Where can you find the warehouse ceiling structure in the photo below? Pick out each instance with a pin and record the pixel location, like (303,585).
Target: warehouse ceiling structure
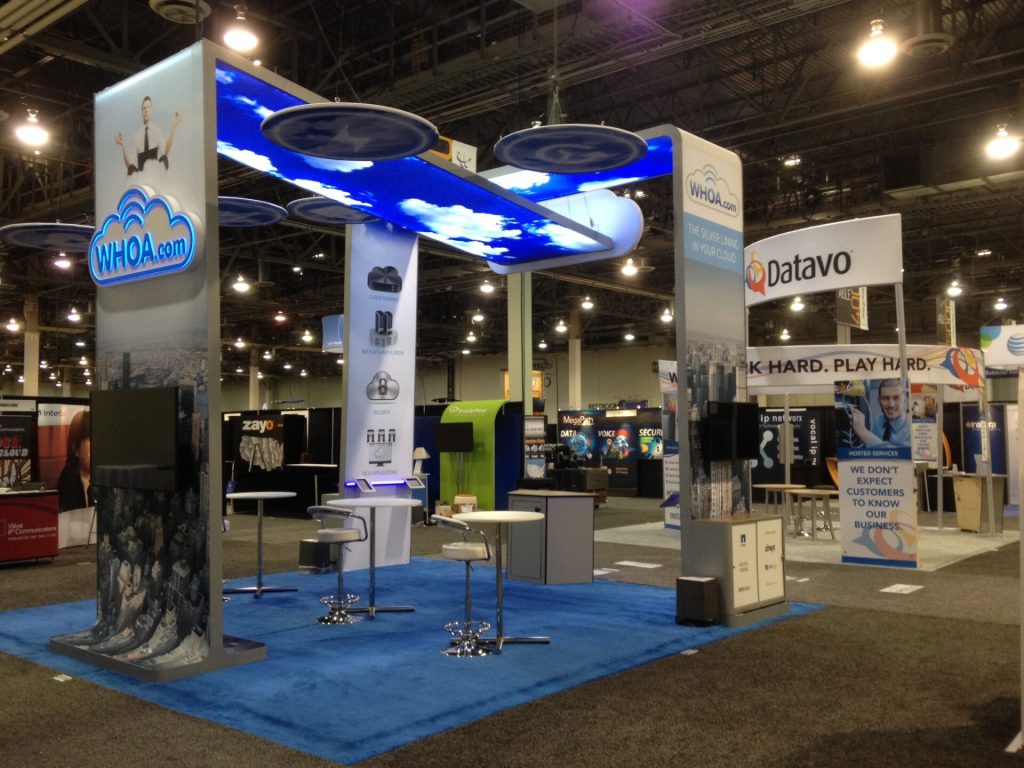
(821,139)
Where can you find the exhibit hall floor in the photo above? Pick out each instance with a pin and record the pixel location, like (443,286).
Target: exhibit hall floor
(923,675)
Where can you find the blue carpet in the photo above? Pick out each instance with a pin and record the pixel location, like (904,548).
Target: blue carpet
(349,693)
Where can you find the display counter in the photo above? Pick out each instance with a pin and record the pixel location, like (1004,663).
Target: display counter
(558,550)
(971,493)
(744,553)
(28,525)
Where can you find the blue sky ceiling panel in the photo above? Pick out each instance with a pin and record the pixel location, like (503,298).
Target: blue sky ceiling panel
(422,193)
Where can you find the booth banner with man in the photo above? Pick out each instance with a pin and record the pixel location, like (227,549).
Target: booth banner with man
(876,476)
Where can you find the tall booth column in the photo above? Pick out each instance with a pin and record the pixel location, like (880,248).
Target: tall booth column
(575,361)
(31,357)
(520,338)
(254,379)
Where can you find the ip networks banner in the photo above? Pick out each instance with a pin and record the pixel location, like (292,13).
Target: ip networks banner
(819,366)
(826,257)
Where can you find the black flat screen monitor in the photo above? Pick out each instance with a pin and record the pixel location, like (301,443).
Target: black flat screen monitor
(732,431)
(454,437)
(134,437)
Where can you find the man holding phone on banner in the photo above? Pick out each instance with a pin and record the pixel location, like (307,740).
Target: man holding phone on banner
(892,425)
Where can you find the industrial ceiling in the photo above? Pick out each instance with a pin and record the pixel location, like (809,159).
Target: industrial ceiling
(767,80)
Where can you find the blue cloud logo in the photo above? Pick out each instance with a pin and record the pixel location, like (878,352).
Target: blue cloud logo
(147,236)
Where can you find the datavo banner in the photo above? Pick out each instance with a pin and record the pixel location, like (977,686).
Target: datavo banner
(845,254)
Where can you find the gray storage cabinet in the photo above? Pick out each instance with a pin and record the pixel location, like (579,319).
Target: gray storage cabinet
(558,549)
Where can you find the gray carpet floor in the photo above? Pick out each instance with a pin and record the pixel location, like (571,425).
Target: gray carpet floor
(929,678)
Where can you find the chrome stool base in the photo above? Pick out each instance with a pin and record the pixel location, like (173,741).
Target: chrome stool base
(339,605)
(466,639)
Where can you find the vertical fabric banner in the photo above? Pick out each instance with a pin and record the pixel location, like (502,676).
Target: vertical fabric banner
(877,513)
(715,324)
(380,366)
(668,383)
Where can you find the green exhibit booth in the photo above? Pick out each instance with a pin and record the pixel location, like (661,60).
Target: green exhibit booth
(483,459)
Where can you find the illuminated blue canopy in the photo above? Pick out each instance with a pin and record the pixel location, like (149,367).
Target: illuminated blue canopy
(424,193)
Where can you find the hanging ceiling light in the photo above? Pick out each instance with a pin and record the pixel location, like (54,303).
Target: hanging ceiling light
(465,351)
(287,366)
(1001,304)
(241,285)
(982,253)
(561,327)
(62,261)
(797,305)
(80,343)
(955,289)
(785,334)
(879,49)
(587,303)
(471,337)
(13,325)
(239,344)
(31,132)
(340,361)
(478,317)
(280,317)
(259,374)
(629,268)
(666,316)
(1003,145)
(307,336)
(629,336)
(239,37)
(267,354)
(792,161)
(303,373)
(542,344)
(82,360)
(486,287)
(238,369)
(73,315)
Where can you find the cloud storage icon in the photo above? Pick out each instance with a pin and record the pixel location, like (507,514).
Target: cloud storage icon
(382,387)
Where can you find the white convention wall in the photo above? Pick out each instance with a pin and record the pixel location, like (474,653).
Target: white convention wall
(608,376)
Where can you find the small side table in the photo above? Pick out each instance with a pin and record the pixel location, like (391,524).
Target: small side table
(259,497)
(500,518)
(373,503)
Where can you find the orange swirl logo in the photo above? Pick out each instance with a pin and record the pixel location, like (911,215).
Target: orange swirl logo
(755,275)
(964,365)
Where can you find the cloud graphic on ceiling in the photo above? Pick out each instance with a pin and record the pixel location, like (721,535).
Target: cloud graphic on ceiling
(563,237)
(343,166)
(246,157)
(521,181)
(258,109)
(325,190)
(457,222)
(590,186)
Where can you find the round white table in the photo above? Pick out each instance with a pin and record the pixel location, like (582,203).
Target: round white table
(259,497)
(501,518)
(372,503)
